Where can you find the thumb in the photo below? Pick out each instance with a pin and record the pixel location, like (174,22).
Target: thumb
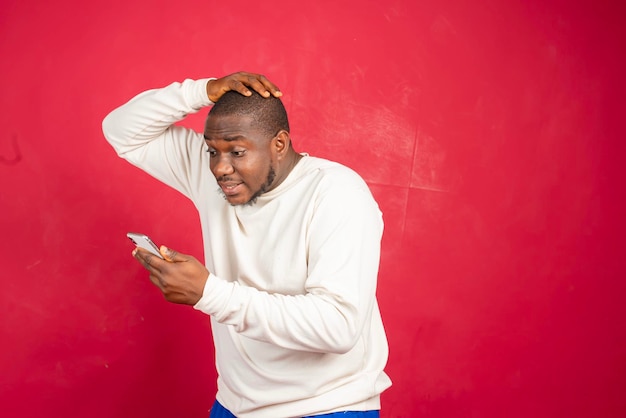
(171,255)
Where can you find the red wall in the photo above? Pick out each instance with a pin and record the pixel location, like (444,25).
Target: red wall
(488,132)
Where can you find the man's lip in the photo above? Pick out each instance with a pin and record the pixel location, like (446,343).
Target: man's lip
(230,188)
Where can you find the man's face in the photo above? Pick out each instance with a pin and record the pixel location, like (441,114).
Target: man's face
(241,158)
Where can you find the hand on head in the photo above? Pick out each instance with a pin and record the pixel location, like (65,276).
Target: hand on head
(241,82)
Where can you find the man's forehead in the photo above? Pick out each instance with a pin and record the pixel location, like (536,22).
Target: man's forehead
(227,137)
(220,122)
(229,119)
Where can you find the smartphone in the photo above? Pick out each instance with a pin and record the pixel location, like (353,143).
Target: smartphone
(144,241)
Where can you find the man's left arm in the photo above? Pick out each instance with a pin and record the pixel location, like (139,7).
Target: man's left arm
(344,254)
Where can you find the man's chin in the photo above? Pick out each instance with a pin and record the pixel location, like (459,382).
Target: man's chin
(238,200)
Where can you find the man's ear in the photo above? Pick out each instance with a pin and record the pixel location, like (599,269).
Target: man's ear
(282,141)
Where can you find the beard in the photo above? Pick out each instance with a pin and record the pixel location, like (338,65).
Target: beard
(271,175)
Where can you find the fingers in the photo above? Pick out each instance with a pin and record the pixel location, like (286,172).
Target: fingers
(242,82)
(172,256)
(151,261)
(153,264)
(261,85)
(147,259)
(180,277)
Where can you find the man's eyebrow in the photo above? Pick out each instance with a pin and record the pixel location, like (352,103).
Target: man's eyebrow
(226,138)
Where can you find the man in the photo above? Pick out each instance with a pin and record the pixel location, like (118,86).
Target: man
(291,242)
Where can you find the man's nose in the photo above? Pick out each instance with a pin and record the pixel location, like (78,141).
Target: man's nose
(221,166)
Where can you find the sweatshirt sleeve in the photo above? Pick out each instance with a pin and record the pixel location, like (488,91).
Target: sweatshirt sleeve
(144,132)
(343,259)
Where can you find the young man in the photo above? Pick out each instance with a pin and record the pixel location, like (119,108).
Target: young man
(291,243)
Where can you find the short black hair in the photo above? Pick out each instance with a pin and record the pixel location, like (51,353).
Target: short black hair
(269,114)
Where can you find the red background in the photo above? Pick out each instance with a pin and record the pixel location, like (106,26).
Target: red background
(488,131)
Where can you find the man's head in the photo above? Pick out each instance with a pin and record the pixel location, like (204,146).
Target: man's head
(269,114)
(249,145)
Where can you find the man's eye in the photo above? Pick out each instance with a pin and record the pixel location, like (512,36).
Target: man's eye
(238,153)
(211,152)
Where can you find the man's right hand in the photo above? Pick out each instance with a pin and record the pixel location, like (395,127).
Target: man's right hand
(240,82)
(180,277)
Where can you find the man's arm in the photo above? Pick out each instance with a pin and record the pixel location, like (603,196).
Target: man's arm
(343,256)
(340,290)
(143,130)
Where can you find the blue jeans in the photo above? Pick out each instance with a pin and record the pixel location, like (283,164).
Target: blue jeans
(218,411)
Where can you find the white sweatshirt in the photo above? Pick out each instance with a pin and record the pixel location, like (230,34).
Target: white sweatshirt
(292,283)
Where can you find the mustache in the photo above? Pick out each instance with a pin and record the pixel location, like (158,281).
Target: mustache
(222,179)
